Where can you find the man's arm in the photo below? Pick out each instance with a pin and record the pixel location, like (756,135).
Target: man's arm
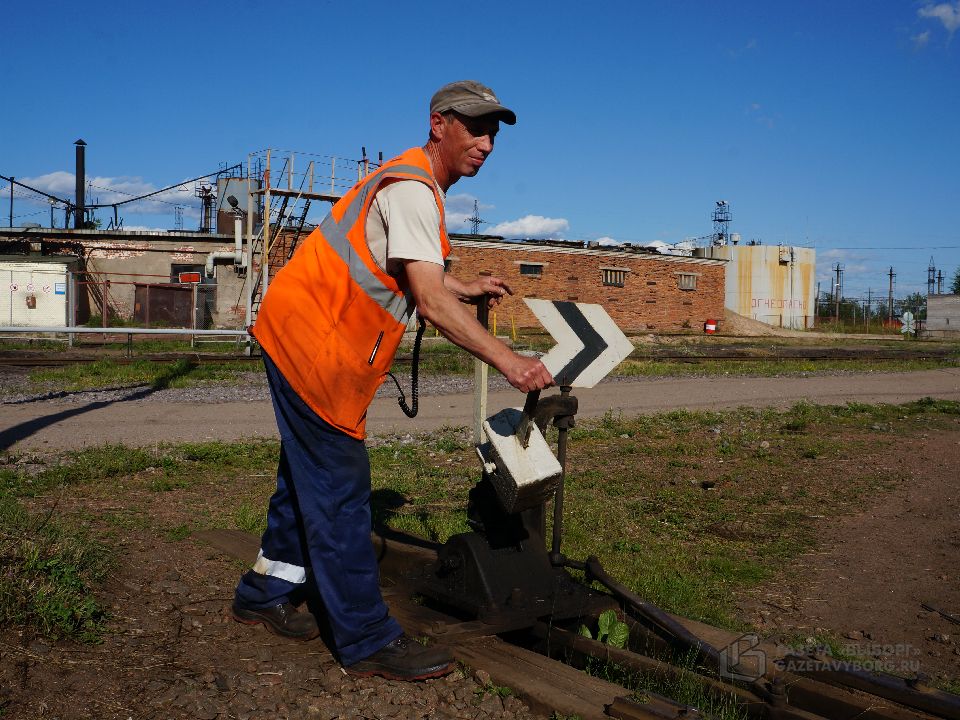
(440,304)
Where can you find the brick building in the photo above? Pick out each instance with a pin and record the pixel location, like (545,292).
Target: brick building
(136,274)
(642,291)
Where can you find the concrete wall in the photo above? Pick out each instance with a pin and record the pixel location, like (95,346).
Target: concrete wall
(33,294)
(126,264)
(943,316)
(651,298)
(120,260)
(770,283)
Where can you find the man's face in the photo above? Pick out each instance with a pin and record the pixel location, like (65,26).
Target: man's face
(466,143)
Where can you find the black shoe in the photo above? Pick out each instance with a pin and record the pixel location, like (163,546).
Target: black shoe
(284,620)
(405,659)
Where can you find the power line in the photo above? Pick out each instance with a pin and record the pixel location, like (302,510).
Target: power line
(170,187)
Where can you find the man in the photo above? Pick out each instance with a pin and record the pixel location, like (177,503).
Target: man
(329,328)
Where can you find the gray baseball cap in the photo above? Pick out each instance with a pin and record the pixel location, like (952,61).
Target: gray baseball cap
(470,98)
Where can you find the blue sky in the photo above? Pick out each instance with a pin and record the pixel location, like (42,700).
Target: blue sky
(833,123)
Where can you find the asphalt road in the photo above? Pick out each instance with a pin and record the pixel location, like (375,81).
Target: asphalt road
(50,425)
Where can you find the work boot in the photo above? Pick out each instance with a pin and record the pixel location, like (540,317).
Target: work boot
(405,659)
(284,620)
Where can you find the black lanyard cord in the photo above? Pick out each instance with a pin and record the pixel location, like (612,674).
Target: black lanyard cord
(411,412)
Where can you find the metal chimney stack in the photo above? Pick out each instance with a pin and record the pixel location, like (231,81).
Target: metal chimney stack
(79,211)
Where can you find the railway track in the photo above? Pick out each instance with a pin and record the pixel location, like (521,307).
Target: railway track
(542,662)
(13,359)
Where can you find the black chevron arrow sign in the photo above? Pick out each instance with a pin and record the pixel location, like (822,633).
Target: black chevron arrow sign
(589,344)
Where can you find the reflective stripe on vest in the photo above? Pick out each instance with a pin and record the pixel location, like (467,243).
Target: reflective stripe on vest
(335,233)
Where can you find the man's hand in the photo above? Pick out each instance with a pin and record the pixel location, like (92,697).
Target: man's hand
(527,374)
(491,288)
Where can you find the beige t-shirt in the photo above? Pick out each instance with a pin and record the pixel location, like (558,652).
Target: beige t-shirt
(404,224)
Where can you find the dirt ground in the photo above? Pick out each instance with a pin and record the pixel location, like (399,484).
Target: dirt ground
(174,653)
(864,589)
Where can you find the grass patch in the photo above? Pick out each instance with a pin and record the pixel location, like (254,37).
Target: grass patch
(686,508)
(154,374)
(685,688)
(47,573)
(773,368)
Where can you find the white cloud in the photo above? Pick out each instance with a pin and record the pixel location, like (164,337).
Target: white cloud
(606,240)
(531,226)
(142,228)
(920,41)
(948,14)
(107,190)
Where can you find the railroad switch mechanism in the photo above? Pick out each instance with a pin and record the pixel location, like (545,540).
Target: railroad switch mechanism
(501,573)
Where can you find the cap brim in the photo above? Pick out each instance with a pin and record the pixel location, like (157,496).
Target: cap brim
(485,108)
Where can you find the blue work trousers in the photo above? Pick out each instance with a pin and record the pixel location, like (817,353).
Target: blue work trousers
(319,520)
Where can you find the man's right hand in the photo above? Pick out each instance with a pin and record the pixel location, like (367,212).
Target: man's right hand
(527,374)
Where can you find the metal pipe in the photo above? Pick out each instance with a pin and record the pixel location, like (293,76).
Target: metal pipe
(583,647)
(913,694)
(653,614)
(81,180)
(113,331)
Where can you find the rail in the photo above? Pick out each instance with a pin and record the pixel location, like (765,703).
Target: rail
(241,335)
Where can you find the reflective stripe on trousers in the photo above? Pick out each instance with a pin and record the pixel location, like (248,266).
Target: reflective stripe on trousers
(319,519)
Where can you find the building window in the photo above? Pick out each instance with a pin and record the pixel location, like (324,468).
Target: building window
(531,269)
(614,277)
(687,281)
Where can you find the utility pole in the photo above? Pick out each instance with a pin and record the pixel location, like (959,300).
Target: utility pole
(12,178)
(869,305)
(939,282)
(838,292)
(931,276)
(475,220)
(890,296)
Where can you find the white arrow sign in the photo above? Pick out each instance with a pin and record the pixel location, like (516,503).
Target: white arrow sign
(589,344)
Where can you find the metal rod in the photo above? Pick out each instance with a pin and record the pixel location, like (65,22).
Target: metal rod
(526,417)
(11,202)
(653,614)
(480,375)
(265,253)
(556,557)
(71,303)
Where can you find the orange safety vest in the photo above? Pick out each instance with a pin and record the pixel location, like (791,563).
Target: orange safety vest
(332,318)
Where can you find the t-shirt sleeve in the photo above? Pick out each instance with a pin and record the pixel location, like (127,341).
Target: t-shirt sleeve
(412,222)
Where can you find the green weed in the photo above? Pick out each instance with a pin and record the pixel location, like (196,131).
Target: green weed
(47,575)
(251,518)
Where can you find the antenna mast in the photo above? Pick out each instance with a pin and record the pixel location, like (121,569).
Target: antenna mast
(475,221)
